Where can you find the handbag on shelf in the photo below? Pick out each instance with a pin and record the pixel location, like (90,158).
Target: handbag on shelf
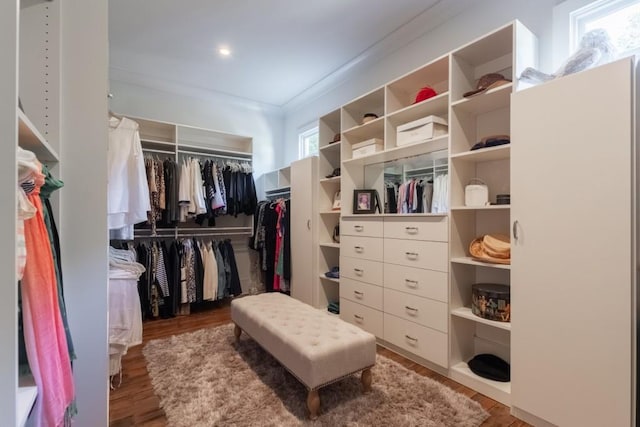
(336,233)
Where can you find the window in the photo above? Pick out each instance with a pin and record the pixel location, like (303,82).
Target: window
(572,18)
(308,142)
(620,18)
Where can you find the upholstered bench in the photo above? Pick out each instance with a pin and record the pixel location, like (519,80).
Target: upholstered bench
(317,348)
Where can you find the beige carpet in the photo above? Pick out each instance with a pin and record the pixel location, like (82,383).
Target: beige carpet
(204,378)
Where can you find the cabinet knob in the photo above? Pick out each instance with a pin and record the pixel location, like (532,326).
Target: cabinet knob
(358,249)
(359,319)
(358,294)
(358,271)
(358,227)
(516,224)
(308,224)
(411,230)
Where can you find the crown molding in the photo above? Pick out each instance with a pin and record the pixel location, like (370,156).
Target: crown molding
(434,16)
(126,76)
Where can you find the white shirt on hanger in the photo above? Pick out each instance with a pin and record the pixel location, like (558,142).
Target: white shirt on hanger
(128,192)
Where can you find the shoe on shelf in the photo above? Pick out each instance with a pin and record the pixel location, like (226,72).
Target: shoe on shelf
(334,273)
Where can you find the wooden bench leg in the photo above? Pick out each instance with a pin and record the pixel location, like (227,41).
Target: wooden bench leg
(366,380)
(313,403)
(237,331)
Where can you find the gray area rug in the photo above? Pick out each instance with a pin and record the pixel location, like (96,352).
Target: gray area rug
(205,378)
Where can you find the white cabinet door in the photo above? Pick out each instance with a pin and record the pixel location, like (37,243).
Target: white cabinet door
(573,252)
(304,176)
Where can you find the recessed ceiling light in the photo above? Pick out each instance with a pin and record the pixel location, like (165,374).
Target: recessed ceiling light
(224,51)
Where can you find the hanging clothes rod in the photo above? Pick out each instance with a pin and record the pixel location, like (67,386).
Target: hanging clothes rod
(217,156)
(153,150)
(233,233)
(220,229)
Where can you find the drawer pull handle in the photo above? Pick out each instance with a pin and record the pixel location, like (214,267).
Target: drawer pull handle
(411,230)
(358,249)
(358,318)
(413,311)
(412,339)
(358,271)
(411,283)
(358,294)
(358,227)
(412,255)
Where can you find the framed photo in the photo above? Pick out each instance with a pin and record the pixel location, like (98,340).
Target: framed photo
(336,201)
(364,201)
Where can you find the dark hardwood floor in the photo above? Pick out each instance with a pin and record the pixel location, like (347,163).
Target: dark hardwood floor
(133,403)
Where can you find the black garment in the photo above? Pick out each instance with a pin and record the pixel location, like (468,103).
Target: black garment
(167,307)
(392,206)
(233,283)
(199,269)
(144,281)
(250,197)
(229,184)
(270,222)
(173,275)
(419,193)
(171,214)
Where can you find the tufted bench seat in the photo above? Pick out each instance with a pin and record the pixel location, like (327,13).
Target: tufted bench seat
(315,347)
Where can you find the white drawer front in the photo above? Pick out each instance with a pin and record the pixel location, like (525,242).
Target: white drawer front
(431,228)
(362,293)
(417,281)
(368,227)
(361,247)
(424,311)
(365,317)
(361,269)
(420,340)
(415,253)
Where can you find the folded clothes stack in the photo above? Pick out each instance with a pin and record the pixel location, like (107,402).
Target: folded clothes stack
(334,307)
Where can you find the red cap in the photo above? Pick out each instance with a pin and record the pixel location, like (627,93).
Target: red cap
(425,93)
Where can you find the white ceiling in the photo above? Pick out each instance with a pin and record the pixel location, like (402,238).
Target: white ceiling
(280,47)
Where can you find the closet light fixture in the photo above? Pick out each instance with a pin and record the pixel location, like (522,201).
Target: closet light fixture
(224,51)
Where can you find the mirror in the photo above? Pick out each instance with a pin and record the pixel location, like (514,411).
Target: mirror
(417,184)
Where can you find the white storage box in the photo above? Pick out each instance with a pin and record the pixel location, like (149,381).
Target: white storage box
(367,147)
(421,130)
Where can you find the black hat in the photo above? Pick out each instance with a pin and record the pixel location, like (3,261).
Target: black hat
(336,172)
(491,367)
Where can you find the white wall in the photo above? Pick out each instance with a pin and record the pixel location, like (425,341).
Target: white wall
(478,18)
(206,109)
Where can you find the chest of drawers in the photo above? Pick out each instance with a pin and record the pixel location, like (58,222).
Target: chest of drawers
(394,281)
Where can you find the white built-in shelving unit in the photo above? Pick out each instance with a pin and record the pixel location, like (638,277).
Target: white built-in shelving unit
(326,289)
(506,51)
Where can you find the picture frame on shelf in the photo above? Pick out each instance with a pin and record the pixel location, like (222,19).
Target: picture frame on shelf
(364,201)
(336,201)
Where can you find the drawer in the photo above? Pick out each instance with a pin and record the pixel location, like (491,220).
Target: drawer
(416,253)
(363,270)
(368,227)
(365,317)
(424,311)
(361,293)
(416,281)
(431,228)
(361,247)
(419,340)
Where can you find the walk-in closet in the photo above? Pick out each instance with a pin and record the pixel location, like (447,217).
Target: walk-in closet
(332,213)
